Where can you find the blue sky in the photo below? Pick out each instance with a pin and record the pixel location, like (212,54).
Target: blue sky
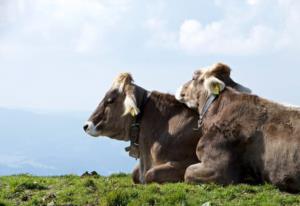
(60,56)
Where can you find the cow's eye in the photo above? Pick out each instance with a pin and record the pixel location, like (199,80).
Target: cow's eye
(109,101)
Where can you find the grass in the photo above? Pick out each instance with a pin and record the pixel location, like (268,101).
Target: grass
(118,190)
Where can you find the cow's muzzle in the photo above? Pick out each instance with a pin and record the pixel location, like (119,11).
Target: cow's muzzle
(90,129)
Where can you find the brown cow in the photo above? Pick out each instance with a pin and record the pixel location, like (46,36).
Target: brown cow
(242,132)
(159,127)
(166,142)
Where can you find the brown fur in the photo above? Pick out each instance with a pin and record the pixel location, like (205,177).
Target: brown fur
(194,97)
(168,138)
(247,135)
(167,142)
(219,70)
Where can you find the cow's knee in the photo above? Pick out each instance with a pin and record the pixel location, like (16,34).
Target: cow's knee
(198,173)
(151,176)
(190,176)
(136,175)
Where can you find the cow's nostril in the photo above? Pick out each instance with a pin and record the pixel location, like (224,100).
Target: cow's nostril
(182,95)
(85,127)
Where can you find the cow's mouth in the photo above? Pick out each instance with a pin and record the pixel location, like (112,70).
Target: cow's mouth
(91,129)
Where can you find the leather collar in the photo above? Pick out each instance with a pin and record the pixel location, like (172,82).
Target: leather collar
(205,108)
(133,149)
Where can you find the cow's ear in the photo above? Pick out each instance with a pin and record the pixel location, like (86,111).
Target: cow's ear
(219,70)
(222,72)
(213,85)
(122,81)
(130,103)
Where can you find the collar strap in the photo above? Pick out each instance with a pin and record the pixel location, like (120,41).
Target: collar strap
(205,108)
(133,149)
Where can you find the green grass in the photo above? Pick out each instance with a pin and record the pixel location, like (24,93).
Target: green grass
(118,190)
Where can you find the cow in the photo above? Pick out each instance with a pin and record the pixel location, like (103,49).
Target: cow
(164,141)
(163,132)
(241,132)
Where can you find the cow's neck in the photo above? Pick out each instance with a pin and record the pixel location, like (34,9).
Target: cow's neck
(141,96)
(213,105)
(136,149)
(219,104)
(205,102)
(202,101)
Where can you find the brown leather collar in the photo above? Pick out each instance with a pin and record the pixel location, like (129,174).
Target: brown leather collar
(133,149)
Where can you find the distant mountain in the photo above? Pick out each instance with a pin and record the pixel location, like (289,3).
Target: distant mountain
(55,144)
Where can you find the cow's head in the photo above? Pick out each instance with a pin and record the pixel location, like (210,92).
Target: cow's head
(113,116)
(207,81)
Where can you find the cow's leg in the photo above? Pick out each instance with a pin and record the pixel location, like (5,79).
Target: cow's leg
(219,160)
(199,173)
(136,175)
(168,172)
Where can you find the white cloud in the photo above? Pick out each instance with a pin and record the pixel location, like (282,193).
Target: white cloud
(86,42)
(246,27)
(253,2)
(160,34)
(158,27)
(219,37)
(87,38)
(67,25)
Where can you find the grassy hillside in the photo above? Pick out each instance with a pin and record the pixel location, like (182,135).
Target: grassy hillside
(119,190)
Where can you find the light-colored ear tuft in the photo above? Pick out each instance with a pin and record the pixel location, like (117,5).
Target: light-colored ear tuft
(131,106)
(122,80)
(214,85)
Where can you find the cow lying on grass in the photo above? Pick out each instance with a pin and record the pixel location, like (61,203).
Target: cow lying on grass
(241,132)
(159,128)
(165,138)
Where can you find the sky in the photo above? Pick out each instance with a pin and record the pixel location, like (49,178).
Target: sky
(63,54)
(60,56)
